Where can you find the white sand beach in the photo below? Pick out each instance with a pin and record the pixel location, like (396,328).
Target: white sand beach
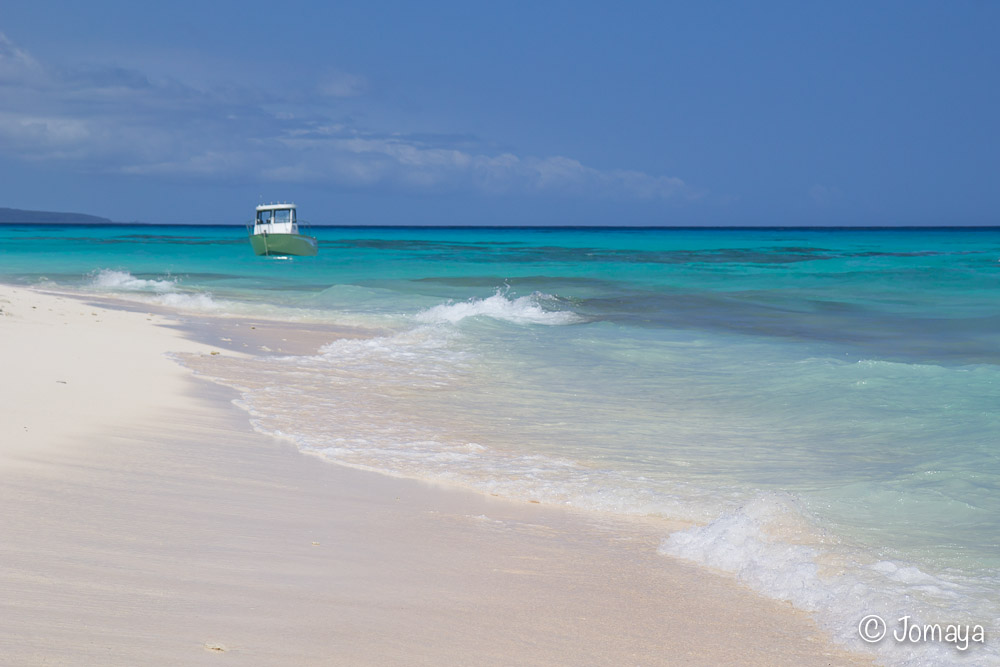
(145,523)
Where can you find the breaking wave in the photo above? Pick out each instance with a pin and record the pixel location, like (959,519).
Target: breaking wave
(520,310)
(164,292)
(110,279)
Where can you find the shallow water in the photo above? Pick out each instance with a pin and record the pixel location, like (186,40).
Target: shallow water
(823,403)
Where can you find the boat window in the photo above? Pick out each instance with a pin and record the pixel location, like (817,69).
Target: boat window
(283,215)
(263,217)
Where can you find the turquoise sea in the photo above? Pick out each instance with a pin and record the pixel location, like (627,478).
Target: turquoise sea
(822,404)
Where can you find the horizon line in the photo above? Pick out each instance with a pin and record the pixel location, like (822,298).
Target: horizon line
(542,226)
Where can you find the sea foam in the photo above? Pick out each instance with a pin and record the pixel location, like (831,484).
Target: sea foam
(163,291)
(520,310)
(111,279)
(770,545)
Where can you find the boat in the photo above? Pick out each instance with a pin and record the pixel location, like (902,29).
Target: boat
(276,232)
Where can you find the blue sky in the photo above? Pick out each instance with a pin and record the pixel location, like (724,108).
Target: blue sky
(641,113)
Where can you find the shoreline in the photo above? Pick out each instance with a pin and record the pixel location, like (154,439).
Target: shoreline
(153,526)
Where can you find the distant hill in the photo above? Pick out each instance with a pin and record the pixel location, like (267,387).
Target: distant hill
(49,217)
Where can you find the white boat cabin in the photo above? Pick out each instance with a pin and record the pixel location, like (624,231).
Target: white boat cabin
(276,219)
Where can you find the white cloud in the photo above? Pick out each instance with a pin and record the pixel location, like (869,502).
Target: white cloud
(43,131)
(208,163)
(17,65)
(120,120)
(415,164)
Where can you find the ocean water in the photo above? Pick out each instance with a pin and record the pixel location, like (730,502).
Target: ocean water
(823,406)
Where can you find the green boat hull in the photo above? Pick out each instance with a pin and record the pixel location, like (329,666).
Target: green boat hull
(283,244)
